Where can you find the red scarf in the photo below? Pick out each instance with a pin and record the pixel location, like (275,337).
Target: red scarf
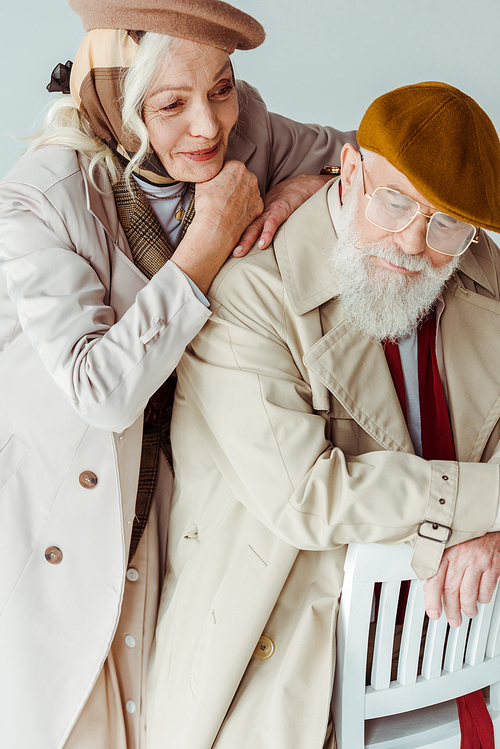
(437,444)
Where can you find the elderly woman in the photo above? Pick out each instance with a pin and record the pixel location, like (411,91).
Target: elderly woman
(104,264)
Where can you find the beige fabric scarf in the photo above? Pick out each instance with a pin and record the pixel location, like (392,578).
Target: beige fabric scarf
(96,82)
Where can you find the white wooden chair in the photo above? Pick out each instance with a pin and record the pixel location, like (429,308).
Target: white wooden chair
(418,708)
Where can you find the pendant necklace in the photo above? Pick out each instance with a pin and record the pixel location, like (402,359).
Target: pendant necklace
(180,212)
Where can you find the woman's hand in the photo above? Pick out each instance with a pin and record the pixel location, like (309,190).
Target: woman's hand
(225,205)
(279,204)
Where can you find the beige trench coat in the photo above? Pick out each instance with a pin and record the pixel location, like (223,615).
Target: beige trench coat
(84,342)
(290,443)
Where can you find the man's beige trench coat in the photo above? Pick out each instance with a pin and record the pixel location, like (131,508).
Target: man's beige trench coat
(290,442)
(84,342)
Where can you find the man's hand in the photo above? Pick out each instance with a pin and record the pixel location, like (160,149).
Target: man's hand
(467,574)
(279,204)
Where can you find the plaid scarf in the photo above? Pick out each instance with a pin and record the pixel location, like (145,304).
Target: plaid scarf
(150,250)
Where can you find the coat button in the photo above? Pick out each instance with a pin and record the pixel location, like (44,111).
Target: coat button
(264,649)
(53,555)
(130,641)
(132,574)
(88,479)
(130,706)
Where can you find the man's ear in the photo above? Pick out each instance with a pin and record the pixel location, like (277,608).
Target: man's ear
(349,162)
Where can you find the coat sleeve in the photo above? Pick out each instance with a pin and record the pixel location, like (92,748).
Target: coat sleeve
(254,404)
(280,147)
(106,367)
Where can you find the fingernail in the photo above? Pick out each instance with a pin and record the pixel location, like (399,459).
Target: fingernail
(453,623)
(433,614)
(261,244)
(238,250)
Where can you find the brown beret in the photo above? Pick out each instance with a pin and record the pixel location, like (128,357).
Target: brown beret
(444,143)
(208,21)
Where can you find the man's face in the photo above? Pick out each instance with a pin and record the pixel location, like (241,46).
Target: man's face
(388,281)
(378,172)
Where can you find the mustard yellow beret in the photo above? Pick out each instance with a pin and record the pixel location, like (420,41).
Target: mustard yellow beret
(444,143)
(208,21)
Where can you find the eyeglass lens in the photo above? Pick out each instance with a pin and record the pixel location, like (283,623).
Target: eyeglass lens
(393,211)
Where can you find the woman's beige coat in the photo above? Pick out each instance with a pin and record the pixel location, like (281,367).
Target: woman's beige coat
(84,342)
(289,443)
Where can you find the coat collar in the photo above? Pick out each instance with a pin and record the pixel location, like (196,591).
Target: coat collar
(472,266)
(302,249)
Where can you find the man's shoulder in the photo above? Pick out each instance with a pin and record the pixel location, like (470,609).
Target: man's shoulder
(295,269)
(240,280)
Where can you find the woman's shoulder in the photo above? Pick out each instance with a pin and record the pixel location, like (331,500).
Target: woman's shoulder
(43,168)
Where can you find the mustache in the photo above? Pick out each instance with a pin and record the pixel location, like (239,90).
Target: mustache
(393,255)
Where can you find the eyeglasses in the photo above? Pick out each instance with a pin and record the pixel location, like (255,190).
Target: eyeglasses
(391,210)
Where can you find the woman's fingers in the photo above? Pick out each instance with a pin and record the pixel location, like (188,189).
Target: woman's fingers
(225,206)
(279,204)
(249,237)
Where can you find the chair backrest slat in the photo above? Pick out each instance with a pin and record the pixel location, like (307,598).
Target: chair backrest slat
(384,640)
(493,644)
(434,647)
(455,647)
(412,635)
(478,634)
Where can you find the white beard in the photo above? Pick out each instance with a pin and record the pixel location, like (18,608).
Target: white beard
(380,303)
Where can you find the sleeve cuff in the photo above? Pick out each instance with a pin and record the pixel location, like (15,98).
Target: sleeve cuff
(201,297)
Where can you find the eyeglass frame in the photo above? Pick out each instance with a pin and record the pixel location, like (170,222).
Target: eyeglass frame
(474,240)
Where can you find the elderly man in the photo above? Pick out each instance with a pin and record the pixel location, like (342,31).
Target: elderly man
(346,388)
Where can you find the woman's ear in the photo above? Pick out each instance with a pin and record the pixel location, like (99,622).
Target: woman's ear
(349,161)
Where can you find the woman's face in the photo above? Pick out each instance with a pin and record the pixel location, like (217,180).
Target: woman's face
(190,110)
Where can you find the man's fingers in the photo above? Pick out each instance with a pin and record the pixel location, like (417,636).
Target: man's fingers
(487,586)
(452,605)
(433,589)
(469,592)
(467,575)
(439,593)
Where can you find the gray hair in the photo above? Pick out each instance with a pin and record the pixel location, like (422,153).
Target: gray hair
(65,126)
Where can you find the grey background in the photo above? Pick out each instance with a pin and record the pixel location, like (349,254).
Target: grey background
(323,60)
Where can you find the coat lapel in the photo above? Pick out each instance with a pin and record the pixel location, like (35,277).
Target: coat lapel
(355,371)
(126,278)
(470,325)
(101,204)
